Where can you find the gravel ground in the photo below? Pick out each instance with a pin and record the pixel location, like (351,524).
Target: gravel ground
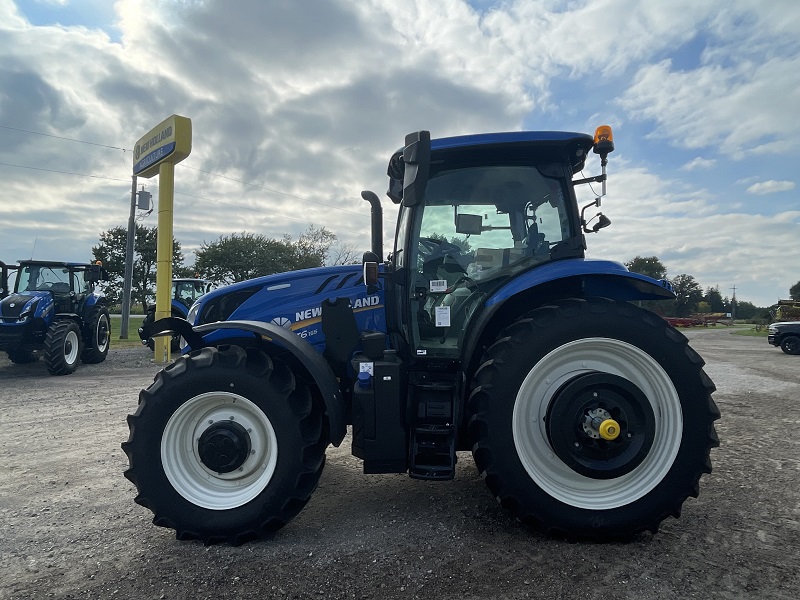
(71,529)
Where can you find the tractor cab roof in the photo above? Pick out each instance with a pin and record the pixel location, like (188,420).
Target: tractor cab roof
(54,263)
(489,149)
(553,146)
(559,144)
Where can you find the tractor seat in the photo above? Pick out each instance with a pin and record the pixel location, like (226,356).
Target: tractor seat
(60,288)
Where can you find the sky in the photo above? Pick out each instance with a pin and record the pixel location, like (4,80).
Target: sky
(296,107)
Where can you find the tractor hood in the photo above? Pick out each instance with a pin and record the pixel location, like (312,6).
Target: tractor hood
(293,300)
(16,306)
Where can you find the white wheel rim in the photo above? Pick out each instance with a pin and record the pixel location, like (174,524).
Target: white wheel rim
(530,433)
(100,337)
(181,460)
(70,347)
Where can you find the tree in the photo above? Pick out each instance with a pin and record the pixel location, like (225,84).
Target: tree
(794,292)
(345,253)
(688,294)
(111,252)
(747,310)
(714,300)
(312,247)
(242,256)
(647,265)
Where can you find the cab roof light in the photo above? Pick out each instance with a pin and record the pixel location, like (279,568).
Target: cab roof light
(603,141)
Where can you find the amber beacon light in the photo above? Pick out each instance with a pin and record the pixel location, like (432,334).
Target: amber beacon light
(603,141)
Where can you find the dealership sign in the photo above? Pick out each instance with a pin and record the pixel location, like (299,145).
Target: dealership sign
(169,141)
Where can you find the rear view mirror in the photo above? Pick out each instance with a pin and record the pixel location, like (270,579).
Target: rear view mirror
(469,224)
(92,274)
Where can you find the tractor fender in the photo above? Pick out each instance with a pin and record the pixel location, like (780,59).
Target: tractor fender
(561,279)
(318,369)
(597,277)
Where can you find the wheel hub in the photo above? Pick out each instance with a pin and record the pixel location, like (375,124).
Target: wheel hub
(224,446)
(600,425)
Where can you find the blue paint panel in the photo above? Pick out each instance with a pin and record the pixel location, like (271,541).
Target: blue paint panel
(294,300)
(602,278)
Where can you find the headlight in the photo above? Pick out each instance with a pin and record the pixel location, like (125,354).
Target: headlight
(28,312)
(221,307)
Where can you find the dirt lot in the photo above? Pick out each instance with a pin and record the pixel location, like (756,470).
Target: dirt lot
(71,530)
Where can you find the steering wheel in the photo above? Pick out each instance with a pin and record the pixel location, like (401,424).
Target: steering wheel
(431,248)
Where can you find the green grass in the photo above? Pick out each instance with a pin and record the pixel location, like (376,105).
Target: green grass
(133,341)
(751,331)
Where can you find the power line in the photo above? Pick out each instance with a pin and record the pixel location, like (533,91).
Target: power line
(62,172)
(252,185)
(59,137)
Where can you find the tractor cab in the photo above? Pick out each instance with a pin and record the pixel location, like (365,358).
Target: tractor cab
(5,271)
(187,290)
(67,283)
(467,226)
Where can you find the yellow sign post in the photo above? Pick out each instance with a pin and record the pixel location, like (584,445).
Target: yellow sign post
(157,152)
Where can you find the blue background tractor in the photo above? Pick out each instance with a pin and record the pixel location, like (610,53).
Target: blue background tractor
(185,291)
(55,310)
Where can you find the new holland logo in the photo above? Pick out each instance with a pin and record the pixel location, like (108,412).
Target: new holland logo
(282,322)
(312,313)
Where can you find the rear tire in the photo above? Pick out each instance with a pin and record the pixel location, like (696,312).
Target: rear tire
(226,445)
(62,347)
(543,382)
(96,336)
(791,345)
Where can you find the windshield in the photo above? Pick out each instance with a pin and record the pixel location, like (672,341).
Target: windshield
(478,226)
(43,278)
(188,291)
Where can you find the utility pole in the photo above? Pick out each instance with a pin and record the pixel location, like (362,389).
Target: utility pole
(127,284)
(733,304)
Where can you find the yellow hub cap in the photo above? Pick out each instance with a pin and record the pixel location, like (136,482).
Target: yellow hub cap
(609,429)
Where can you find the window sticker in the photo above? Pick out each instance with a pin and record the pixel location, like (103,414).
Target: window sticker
(442,316)
(438,285)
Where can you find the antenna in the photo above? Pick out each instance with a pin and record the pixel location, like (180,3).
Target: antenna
(33,251)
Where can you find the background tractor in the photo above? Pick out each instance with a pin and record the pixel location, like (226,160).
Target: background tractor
(56,310)
(185,291)
(486,330)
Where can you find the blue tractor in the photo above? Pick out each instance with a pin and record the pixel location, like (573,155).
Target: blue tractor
(485,330)
(185,291)
(54,310)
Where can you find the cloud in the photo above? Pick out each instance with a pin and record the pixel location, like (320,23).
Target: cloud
(770,187)
(698,163)
(296,107)
(736,110)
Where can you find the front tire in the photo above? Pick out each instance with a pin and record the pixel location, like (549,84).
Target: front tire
(62,347)
(22,357)
(225,446)
(592,419)
(791,345)
(96,336)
